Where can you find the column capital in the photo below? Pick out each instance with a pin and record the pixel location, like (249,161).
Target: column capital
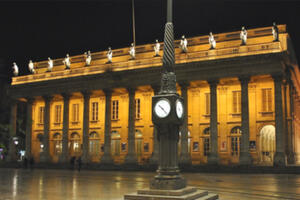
(213,82)
(184,84)
(107,91)
(277,77)
(131,90)
(86,93)
(66,96)
(30,100)
(47,98)
(244,79)
(155,88)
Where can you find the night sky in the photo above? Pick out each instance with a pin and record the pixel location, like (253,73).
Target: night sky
(37,30)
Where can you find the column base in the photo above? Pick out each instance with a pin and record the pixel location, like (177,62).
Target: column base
(212,159)
(131,159)
(63,158)
(153,159)
(291,158)
(107,159)
(245,158)
(280,159)
(44,158)
(185,159)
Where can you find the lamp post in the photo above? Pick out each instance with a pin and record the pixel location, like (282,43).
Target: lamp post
(167,116)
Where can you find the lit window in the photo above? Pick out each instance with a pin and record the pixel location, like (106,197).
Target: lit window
(41,114)
(95,111)
(206,141)
(115,110)
(235,140)
(137,109)
(57,114)
(236,101)
(267,100)
(207,103)
(57,140)
(94,146)
(75,113)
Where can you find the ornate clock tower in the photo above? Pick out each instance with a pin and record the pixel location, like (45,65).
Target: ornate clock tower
(167,116)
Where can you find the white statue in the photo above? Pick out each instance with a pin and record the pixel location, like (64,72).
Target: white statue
(15,69)
(132,51)
(212,41)
(275,31)
(183,44)
(156,48)
(31,67)
(243,36)
(50,64)
(109,55)
(88,58)
(67,61)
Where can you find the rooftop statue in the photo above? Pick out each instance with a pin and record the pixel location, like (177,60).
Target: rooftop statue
(67,61)
(212,41)
(275,32)
(88,58)
(50,64)
(15,69)
(243,36)
(109,55)
(156,48)
(132,51)
(31,67)
(183,44)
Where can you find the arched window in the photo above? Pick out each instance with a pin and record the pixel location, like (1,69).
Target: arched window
(189,142)
(235,135)
(115,143)
(75,143)
(94,143)
(57,142)
(267,144)
(206,141)
(138,142)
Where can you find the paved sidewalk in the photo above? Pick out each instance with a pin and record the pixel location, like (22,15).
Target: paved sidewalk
(38,184)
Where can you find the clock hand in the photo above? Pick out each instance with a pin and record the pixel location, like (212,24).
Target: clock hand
(162,108)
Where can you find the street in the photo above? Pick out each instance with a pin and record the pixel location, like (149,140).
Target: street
(37,184)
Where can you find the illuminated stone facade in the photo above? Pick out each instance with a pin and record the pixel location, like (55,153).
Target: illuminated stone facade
(236,97)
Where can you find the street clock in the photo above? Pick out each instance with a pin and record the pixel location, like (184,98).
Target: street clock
(167,109)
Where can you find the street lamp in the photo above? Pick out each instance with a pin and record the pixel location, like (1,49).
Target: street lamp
(16,141)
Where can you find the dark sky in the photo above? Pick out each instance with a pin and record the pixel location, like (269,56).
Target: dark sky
(37,30)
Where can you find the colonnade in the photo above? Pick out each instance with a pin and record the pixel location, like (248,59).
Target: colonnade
(185,157)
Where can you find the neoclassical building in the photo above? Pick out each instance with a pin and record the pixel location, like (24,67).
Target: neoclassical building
(242,102)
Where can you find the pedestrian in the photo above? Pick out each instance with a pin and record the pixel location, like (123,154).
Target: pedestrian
(79,163)
(72,161)
(31,162)
(25,162)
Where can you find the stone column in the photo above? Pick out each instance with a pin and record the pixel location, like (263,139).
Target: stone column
(245,157)
(291,156)
(213,157)
(280,157)
(28,128)
(64,157)
(131,156)
(185,157)
(86,121)
(45,155)
(155,156)
(106,158)
(12,154)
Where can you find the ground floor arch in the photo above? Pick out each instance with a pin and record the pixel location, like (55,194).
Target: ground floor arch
(267,145)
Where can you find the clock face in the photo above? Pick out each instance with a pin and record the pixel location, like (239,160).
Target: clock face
(179,109)
(162,108)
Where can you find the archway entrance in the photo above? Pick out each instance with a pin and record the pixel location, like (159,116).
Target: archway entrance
(267,144)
